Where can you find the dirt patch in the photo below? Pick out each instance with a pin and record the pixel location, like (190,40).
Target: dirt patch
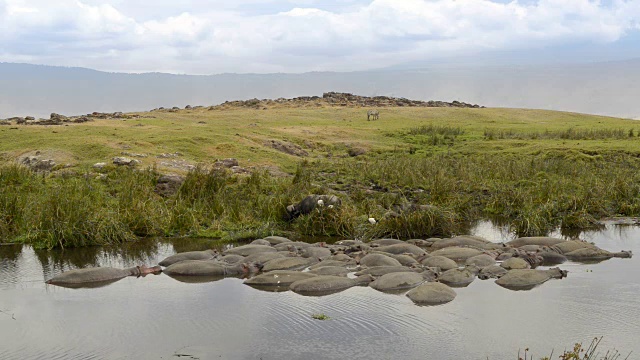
(287,148)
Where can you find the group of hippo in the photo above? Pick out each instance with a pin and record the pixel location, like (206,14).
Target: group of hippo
(427,270)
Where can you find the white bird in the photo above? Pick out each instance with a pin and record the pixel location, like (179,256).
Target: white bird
(320,202)
(372,221)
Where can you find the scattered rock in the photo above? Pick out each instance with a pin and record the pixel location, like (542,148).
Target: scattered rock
(37,164)
(123,161)
(226,163)
(168,185)
(99,166)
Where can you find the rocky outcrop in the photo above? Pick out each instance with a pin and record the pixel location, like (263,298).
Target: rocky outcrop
(339,99)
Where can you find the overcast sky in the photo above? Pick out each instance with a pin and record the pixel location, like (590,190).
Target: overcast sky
(263,36)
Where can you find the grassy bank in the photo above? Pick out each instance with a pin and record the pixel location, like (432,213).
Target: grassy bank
(534,170)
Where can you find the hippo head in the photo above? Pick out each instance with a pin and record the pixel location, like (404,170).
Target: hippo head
(625,254)
(291,213)
(144,271)
(557,273)
(250,268)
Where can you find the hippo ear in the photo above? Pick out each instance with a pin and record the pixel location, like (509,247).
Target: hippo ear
(244,266)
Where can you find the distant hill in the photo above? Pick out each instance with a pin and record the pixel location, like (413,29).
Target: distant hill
(607,88)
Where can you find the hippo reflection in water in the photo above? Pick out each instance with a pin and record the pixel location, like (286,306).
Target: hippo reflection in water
(99,276)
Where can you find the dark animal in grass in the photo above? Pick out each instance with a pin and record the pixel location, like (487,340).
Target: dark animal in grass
(99,276)
(211,268)
(432,293)
(309,203)
(189,255)
(526,279)
(327,284)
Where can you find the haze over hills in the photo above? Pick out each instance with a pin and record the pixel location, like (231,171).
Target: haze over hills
(605,88)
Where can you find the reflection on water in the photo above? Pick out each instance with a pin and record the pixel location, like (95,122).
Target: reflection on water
(158,317)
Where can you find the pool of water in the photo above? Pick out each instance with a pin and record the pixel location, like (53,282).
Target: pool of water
(158,317)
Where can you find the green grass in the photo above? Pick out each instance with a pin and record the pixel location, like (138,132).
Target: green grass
(532,170)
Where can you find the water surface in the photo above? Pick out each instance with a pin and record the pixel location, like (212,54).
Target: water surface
(157,317)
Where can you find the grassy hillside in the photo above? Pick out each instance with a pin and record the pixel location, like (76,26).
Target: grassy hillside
(203,135)
(533,170)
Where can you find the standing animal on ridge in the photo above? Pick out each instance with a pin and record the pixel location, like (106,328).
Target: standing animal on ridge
(373,115)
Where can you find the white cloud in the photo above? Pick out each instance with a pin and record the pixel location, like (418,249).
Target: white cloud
(291,36)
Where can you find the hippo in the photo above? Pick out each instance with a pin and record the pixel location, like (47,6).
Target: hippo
(211,268)
(571,245)
(263,258)
(481,261)
(189,255)
(232,259)
(99,276)
(278,279)
(371,260)
(294,246)
(469,241)
(275,240)
(432,293)
(459,277)
(405,260)
(525,279)
(535,240)
(456,253)
(246,250)
(327,284)
(404,248)
(289,263)
(532,258)
(341,257)
(349,242)
(316,252)
(385,242)
(382,270)
(590,254)
(550,258)
(515,263)
(492,272)
(332,263)
(444,263)
(420,242)
(309,203)
(331,270)
(261,242)
(397,281)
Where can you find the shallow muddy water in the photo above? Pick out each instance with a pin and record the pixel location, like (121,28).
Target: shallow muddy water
(157,317)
